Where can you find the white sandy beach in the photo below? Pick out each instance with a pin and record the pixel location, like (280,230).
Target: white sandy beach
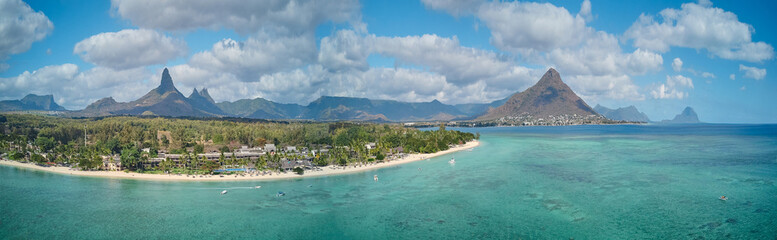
(324,171)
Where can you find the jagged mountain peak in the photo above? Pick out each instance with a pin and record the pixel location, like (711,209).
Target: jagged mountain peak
(204,93)
(166,85)
(194,93)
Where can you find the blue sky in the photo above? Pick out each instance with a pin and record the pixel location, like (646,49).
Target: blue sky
(614,53)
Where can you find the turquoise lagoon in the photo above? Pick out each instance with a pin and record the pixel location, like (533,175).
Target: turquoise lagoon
(582,182)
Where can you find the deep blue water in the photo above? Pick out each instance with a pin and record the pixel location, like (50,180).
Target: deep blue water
(582,182)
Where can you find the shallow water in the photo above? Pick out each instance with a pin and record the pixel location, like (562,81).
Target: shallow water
(582,182)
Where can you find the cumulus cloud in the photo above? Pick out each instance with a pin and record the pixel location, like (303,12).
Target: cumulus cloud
(529,26)
(707,75)
(673,88)
(460,65)
(20,26)
(454,7)
(585,11)
(753,72)
(74,88)
(699,26)
(677,64)
(285,17)
(732,77)
(347,50)
(601,55)
(594,88)
(129,48)
(256,56)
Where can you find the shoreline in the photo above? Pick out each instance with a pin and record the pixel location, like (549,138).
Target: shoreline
(324,171)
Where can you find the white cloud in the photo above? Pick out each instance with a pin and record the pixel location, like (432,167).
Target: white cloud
(601,55)
(707,75)
(753,72)
(699,26)
(742,88)
(285,17)
(256,56)
(20,26)
(673,87)
(460,65)
(529,26)
(585,11)
(347,50)
(595,87)
(130,48)
(677,64)
(454,7)
(732,77)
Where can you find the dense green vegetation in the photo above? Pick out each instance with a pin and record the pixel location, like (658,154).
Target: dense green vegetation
(53,140)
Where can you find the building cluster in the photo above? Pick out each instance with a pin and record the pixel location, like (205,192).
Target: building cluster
(552,120)
(240,159)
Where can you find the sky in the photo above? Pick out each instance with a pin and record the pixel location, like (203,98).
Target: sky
(660,56)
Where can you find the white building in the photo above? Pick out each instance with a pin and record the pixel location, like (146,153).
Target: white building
(269,148)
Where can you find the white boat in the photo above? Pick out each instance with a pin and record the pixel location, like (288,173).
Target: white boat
(223,192)
(452,161)
(258,187)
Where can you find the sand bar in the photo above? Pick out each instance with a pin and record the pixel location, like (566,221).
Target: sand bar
(324,171)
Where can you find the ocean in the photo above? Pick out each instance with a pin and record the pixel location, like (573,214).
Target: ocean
(581,182)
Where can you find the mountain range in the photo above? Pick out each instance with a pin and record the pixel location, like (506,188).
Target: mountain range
(550,96)
(629,113)
(31,102)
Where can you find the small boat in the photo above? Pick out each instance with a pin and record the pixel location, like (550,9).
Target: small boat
(281,194)
(452,161)
(258,187)
(223,192)
(724,198)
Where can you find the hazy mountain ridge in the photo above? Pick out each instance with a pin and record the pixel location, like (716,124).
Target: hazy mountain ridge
(629,113)
(32,102)
(687,116)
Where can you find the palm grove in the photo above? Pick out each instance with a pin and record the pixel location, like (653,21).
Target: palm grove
(86,143)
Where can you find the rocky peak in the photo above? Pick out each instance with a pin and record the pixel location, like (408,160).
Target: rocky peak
(551,78)
(167,83)
(194,93)
(204,93)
